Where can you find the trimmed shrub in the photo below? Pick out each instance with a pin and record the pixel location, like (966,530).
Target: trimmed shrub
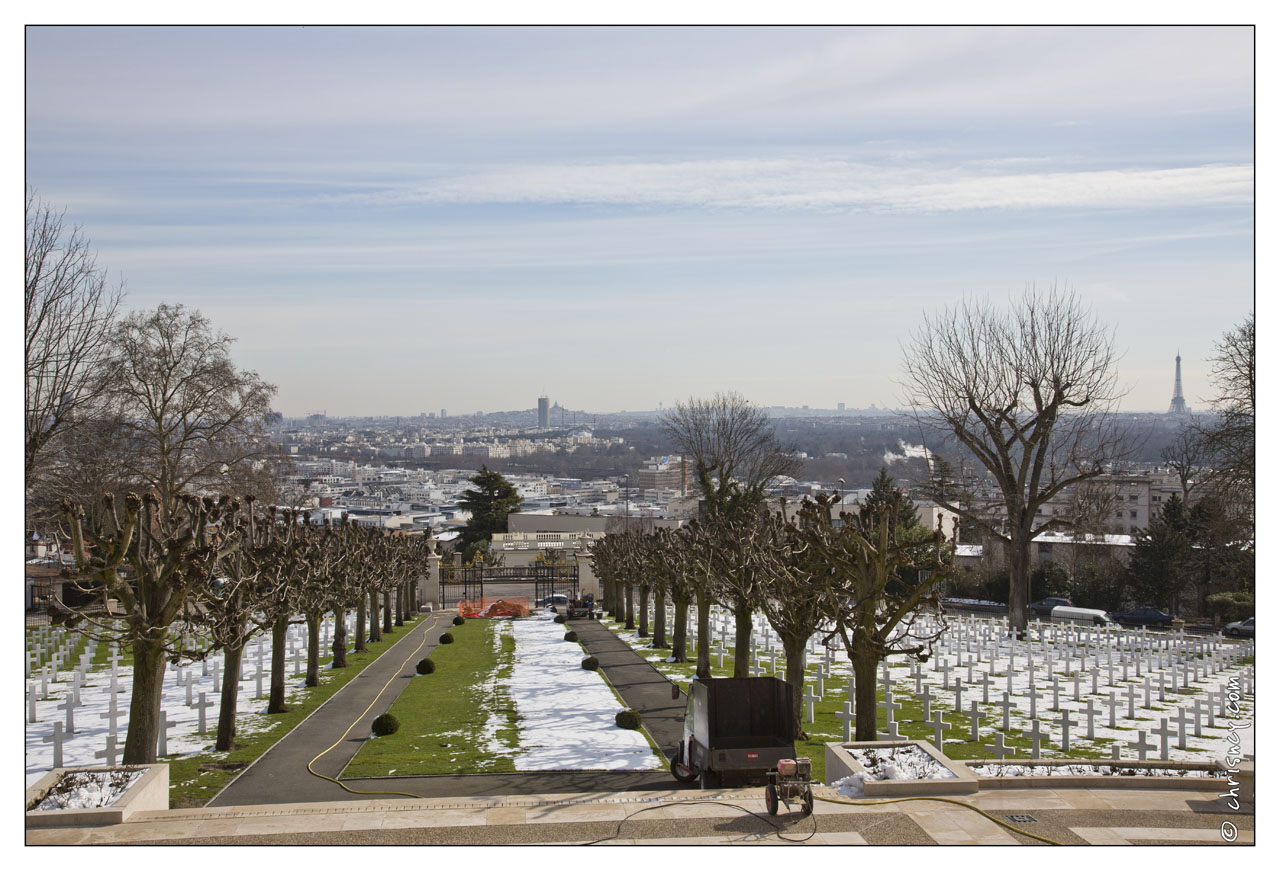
(387,724)
(426,666)
(459,620)
(446,638)
(627,719)
(591,664)
(560,618)
(571,636)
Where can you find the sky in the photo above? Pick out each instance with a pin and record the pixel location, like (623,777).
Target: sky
(396,220)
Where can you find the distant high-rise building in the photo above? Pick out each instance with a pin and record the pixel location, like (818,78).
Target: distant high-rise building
(444,413)
(1178,405)
(544,412)
(839,406)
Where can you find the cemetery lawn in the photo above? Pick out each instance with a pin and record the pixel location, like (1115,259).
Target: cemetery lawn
(459,719)
(195,779)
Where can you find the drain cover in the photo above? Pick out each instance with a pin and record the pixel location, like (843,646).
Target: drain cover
(1021,818)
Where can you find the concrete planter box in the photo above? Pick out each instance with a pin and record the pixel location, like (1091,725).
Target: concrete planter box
(149,793)
(1100,781)
(840,764)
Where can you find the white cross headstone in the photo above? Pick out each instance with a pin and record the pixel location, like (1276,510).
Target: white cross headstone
(998,750)
(939,726)
(1165,732)
(189,683)
(1131,695)
(1090,712)
(958,688)
(1065,723)
(1182,718)
(847,716)
(975,719)
(200,707)
(1036,737)
(1055,693)
(109,753)
(258,677)
(162,742)
(891,732)
(1007,706)
(986,683)
(1141,745)
(31,703)
(925,698)
(890,706)
(56,740)
(69,705)
(1033,694)
(809,698)
(1208,711)
(112,715)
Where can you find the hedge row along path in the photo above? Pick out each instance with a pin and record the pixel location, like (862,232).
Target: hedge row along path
(280,775)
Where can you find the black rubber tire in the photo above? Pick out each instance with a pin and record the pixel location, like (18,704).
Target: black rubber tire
(688,775)
(806,802)
(771,800)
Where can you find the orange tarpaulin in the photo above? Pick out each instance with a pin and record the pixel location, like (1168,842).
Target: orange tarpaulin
(518,607)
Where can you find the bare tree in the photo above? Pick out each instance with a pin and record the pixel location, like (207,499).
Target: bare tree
(735,455)
(191,415)
(1229,441)
(879,589)
(70,311)
(155,560)
(1030,392)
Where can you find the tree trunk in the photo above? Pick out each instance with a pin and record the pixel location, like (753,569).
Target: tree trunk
(232,656)
(794,648)
(279,633)
(644,611)
(375,628)
(631,605)
(679,642)
(313,648)
(339,638)
(1019,586)
(741,638)
(864,694)
(704,637)
(144,706)
(659,619)
(360,618)
(401,592)
(386,613)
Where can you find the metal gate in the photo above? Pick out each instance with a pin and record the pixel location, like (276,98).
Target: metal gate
(538,582)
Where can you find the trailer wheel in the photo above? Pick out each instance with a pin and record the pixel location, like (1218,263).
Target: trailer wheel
(682,772)
(771,800)
(806,802)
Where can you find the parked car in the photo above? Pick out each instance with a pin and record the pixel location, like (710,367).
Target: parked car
(554,601)
(1081,616)
(1241,628)
(1146,616)
(1045,607)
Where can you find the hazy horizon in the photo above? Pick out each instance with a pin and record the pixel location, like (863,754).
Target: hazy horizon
(395,220)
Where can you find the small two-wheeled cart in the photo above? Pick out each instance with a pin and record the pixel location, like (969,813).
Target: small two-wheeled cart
(788,782)
(736,730)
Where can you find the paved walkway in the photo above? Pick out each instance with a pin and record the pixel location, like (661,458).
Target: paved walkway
(280,776)
(725,817)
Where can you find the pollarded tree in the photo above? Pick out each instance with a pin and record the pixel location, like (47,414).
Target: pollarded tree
(880,591)
(1229,440)
(1030,392)
(155,560)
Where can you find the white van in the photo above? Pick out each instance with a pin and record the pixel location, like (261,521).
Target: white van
(1083,616)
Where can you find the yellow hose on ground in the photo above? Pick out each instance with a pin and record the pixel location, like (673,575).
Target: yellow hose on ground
(819,798)
(359,718)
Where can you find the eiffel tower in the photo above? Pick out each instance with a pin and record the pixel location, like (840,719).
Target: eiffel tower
(1178,405)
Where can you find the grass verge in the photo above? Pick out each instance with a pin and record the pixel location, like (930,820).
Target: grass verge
(195,779)
(459,719)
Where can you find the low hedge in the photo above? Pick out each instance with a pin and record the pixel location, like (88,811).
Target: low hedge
(591,664)
(571,636)
(386,724)
(446,638)
(627,719)
(426,666)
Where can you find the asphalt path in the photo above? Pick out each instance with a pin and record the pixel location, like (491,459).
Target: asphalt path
(280,776)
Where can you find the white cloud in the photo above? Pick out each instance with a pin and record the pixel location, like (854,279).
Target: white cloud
(827,184)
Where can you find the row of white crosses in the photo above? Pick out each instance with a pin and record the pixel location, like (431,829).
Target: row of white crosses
(64,727)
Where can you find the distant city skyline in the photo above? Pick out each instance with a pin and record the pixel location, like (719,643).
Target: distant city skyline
(392,220)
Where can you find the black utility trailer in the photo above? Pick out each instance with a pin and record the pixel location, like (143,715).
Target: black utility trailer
(736,730)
